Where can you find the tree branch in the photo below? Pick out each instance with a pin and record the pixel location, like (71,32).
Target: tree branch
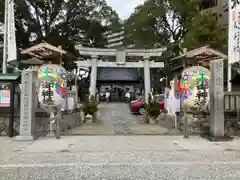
(38,24)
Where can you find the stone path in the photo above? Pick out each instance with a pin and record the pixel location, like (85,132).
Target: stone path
(116,119)
(121,118)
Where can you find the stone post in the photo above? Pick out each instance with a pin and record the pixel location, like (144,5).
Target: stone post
(175,86)
(27,113)
(147,81)
(93,78)
(51,132)
(229,78)
(76,90)
(216,98)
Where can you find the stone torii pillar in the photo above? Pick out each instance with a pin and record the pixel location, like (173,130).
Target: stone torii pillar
(93,77)
(147,85)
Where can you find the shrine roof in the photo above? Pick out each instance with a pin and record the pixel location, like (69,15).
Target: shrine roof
(33,61)
(202,53)
(9,77)
(45,51)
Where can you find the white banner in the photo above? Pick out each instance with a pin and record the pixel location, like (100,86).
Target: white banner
(11,45)
(1,28)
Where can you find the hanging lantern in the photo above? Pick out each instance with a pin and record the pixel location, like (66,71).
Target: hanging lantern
(194,87)
(52,85)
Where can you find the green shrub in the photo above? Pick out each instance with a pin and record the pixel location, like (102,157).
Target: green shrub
(90,107)
(153,107)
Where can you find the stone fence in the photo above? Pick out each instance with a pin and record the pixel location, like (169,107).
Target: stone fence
(231,101)
(70,119)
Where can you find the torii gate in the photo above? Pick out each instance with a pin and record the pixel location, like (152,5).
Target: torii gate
(121,62)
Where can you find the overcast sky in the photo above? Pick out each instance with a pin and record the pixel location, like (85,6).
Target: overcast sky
(124,7)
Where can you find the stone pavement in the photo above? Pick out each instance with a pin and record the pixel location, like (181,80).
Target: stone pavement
(120,158)
(116,119)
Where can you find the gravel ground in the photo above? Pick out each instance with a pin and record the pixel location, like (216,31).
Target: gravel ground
(120,157)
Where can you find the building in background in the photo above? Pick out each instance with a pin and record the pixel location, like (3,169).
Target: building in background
(218,7)
(117,81)
(114,39)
